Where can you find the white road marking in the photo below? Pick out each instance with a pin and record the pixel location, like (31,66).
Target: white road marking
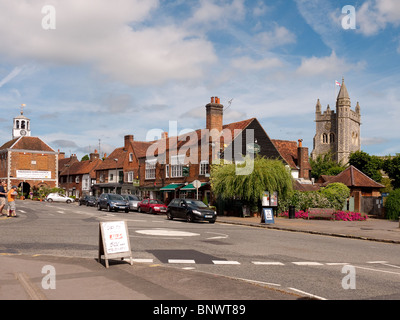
(307,263)
(180,261)
(220,262)
(142,260)
(266,263)
(307,294)
(337,263)
(165,232)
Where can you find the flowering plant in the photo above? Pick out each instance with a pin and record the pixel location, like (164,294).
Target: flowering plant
(338,216)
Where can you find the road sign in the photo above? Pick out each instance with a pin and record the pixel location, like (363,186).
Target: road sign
(268,215)
(114,241)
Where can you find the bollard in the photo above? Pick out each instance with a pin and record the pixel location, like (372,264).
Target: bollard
(292,211)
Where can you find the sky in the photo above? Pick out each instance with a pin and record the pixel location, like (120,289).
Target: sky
(91,72)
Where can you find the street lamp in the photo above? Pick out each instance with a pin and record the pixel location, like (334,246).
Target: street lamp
(116,175)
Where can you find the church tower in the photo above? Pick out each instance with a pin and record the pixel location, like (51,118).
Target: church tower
(21,125)
(337,132)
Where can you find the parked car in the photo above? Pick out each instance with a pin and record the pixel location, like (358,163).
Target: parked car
(152,206)
(133,201)
(58,198)
(111,201)
(191,210)
(88,201)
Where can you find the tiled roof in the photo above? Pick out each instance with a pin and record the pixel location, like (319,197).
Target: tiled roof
(352,177)
(110,163)
(81,167)
(27,143)
(288,151)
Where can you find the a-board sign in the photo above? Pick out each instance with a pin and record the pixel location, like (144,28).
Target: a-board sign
(268,215)
(114,241)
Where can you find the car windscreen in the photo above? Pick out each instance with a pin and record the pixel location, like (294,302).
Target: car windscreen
(155,202)
(116,197)
(196,203)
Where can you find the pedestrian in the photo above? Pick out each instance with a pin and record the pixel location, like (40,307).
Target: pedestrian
(11,196)
(3,194)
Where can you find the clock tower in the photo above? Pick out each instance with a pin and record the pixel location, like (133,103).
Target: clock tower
(21,125)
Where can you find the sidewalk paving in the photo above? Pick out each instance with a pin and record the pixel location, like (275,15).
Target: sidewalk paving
(371,229)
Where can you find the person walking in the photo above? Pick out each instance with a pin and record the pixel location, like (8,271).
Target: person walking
(3,194)
(11,196)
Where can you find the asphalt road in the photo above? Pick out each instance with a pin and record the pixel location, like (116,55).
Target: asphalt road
(311,265)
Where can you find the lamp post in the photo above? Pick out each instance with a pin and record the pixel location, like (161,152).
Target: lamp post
(116,175)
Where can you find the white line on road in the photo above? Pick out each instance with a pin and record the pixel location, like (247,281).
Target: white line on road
(377,270)
(307,263)
(225,262)
(307,294)
(180,261)
(266,263)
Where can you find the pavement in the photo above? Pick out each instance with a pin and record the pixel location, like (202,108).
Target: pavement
(39,277)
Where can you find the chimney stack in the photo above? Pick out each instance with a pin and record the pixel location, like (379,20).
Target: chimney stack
(214,114)
(94,156)
(128,139)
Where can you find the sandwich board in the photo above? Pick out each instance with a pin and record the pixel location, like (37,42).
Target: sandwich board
(114,241)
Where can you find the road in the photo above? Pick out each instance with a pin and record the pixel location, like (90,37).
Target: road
(310,265)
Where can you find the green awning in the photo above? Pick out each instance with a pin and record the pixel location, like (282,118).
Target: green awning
(171,187)
(190,186)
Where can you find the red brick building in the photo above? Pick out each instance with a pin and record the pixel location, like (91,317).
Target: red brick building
(78,177)
(26,161)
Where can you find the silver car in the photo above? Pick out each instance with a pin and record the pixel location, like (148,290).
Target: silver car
(133,201)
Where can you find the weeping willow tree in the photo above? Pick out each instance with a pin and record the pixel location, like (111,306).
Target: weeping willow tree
(267,175)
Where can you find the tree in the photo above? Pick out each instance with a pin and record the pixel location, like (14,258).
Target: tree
(325,165)
(267,175)
(85,157)
(392,205)
(370,165)
(392,167)
(337,194)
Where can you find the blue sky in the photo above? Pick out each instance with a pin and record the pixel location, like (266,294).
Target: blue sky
(112,68)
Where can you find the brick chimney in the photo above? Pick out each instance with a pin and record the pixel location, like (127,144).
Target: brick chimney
(214,114)
(128,140)
(302,161)
(93,156)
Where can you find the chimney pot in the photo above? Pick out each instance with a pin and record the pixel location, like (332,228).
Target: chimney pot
(212,99)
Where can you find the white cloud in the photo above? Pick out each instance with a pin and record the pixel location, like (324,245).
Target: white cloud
(248,64)
(277,37)
(15,72)
(374,15)
(327,66)
(109,36)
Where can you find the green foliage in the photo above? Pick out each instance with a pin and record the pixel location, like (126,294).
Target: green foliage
(333,196)
(303,201)
(392,167)
(267,175)
(324,165)
(85,158)
(392,205)
(337,194)
(370,165)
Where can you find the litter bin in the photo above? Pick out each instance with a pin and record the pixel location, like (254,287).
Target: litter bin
(292,211)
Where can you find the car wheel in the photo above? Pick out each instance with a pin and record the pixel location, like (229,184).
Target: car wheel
(108,208)
(139,210)
(126,210)
(50,200)
(68,201)
(98,207)
(80,203)
(151,211)
(212,221)
(189,217)
(169,216)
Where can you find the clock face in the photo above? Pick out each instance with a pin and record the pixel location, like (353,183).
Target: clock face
(23,132)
